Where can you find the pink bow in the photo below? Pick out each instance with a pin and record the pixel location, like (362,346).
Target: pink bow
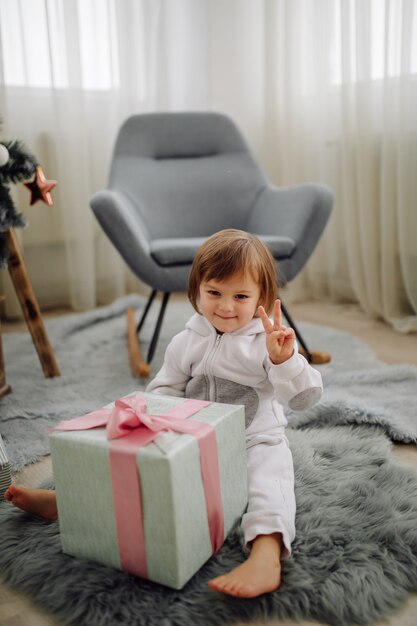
(130,413)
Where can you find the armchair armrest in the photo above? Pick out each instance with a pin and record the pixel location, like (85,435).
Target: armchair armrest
(299,212)
(123,224)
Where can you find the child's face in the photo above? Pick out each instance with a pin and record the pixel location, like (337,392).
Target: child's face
(229,304)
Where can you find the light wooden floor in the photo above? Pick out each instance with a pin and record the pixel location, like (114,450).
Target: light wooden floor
(391,347)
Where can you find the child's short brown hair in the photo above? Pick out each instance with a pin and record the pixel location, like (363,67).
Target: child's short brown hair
(230,252)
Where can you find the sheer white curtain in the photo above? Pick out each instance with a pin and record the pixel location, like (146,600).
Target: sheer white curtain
(323,90)
(342,105)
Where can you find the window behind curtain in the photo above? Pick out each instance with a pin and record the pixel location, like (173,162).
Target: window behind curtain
(39,44)
(378,32)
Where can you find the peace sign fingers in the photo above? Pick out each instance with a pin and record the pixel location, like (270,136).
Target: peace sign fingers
(279,338)
(277,315)
(277,325)
(269,328)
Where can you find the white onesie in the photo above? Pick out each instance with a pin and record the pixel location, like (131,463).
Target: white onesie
(235,368)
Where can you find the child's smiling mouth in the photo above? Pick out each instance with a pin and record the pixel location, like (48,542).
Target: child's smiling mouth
(223,317)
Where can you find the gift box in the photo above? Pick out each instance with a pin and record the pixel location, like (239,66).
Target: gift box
(5,472)
(156,504)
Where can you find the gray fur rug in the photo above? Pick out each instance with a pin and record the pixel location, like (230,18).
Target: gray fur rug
(355,554)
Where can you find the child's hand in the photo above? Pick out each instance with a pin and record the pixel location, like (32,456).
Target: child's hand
(279,338)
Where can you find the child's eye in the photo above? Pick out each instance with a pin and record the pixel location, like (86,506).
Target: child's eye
(241,296)
(213,292)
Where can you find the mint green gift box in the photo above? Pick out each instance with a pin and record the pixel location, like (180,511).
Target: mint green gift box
(174,520)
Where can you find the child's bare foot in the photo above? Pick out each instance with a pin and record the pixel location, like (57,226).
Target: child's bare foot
(40,502)
(260,573)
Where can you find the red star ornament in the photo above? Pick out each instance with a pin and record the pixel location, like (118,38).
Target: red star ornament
(40,187)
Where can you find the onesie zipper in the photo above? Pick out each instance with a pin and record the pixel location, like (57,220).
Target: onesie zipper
(209,369)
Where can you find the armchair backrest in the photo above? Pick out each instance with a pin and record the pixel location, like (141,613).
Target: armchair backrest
(188,174)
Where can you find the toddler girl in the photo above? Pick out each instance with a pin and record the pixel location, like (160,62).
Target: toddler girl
(230,351)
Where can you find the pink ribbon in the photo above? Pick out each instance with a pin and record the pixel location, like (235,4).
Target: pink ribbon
(129,428)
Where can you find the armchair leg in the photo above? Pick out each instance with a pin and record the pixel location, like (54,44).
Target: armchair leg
(138,366)
(146,310)
(314,357)
(158,325)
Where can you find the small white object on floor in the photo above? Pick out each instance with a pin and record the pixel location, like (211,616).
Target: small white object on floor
(5,473)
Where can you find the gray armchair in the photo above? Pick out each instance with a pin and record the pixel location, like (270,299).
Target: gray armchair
(177,178)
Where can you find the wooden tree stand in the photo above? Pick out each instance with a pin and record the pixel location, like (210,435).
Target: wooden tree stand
(30,307)
(4,387)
